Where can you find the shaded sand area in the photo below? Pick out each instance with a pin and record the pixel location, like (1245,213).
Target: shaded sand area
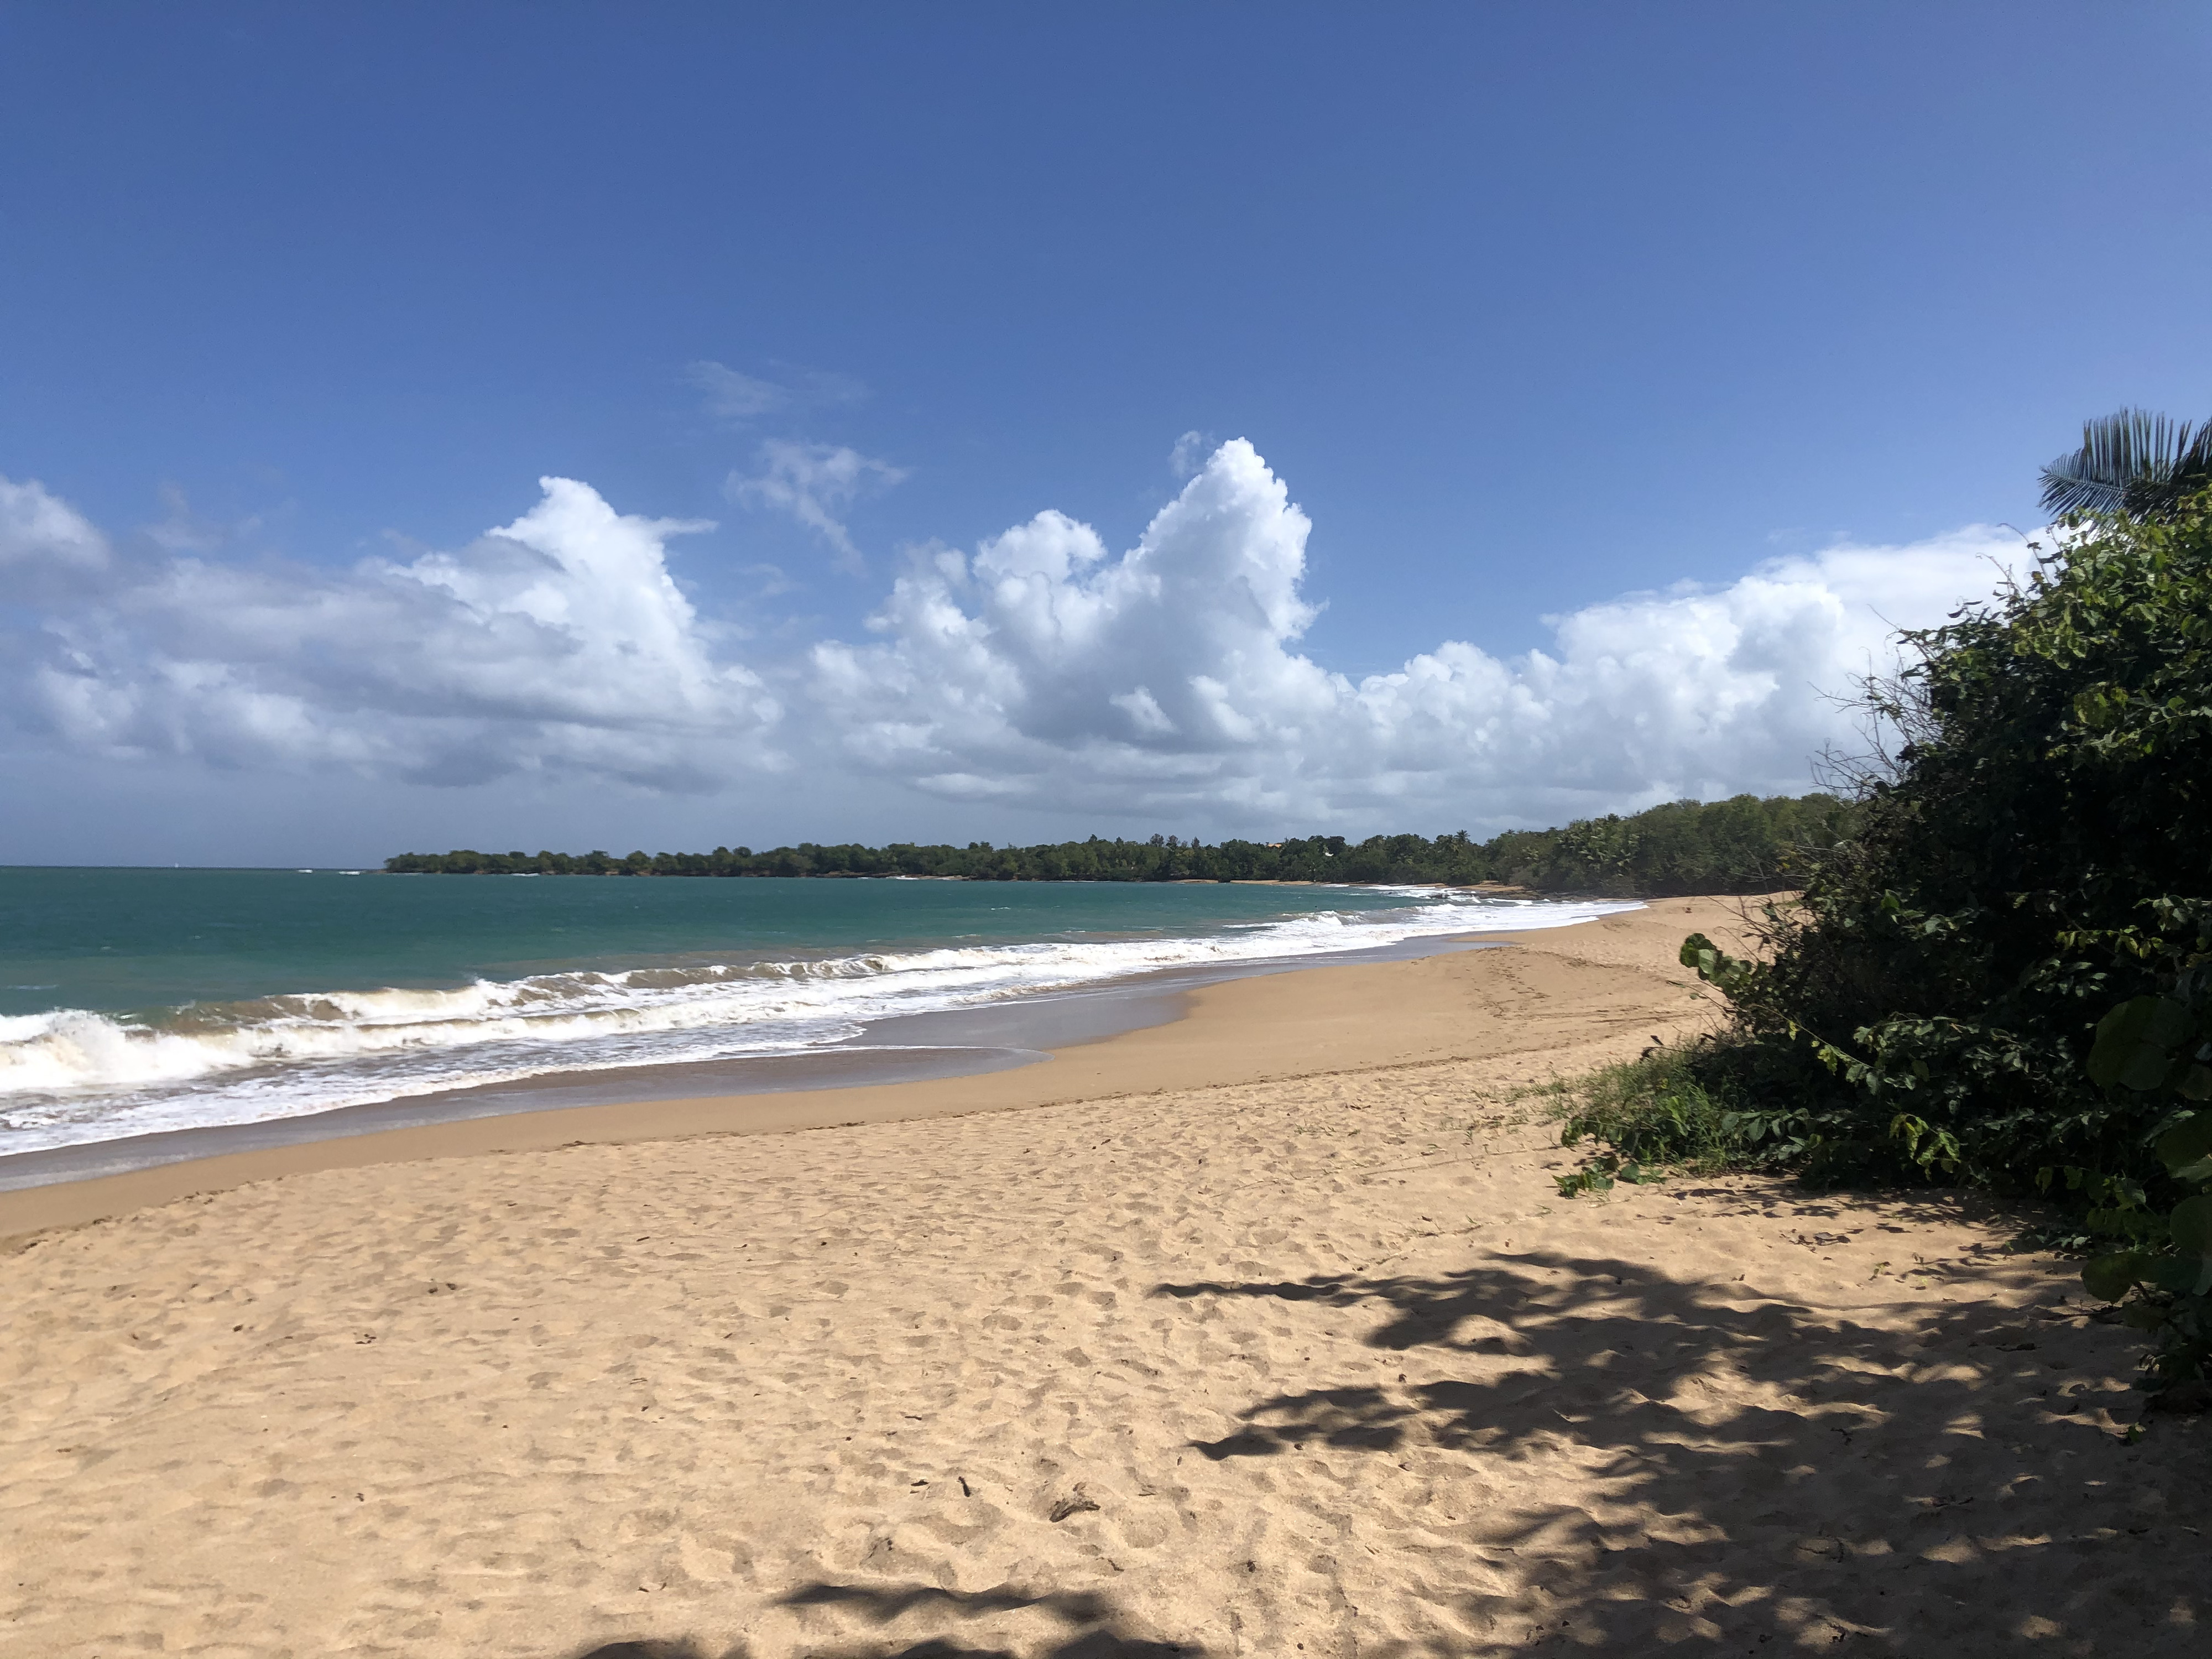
(1312,1359)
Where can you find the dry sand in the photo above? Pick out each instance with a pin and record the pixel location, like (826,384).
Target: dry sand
(1271,1337)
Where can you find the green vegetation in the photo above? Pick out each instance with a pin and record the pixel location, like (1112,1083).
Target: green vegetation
(1648,1115)
(2000,979)
(1740,846)
(2158,1046)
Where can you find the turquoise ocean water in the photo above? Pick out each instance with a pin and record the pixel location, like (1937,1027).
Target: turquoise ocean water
(135,1001)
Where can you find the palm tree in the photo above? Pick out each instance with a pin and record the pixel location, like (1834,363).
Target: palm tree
(2134,462)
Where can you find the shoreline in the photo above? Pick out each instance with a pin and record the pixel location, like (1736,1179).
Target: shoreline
(118,1065)
(1255,1022)
(901,1050)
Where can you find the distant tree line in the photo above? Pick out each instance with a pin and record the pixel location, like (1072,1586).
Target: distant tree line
(1744,845)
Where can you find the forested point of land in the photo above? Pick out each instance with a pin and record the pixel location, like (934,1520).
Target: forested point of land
(1743,845)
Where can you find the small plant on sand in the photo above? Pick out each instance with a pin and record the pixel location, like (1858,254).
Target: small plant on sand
(1648,1117)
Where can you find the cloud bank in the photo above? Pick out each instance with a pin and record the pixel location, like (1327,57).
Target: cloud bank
(1043,670)
(558,642)
(1043,673)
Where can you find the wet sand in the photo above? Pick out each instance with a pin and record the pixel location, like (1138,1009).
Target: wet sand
(960,1043)
(1262,1332)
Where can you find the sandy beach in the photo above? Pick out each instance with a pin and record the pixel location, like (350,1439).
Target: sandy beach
(1263,1332)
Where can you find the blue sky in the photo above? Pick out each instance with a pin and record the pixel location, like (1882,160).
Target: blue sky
(1527,307)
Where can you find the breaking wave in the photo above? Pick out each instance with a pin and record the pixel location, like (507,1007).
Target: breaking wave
(71,1076)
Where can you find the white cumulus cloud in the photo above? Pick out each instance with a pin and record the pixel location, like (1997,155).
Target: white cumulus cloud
(41,532)
(558,642)
(1168,680)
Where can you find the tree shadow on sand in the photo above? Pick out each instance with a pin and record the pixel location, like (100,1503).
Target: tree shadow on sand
(1092,1621)
(1744,1475)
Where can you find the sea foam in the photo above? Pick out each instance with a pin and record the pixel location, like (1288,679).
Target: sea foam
(71,1076)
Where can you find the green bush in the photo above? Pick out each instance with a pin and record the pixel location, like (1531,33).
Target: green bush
(2162,1046)
(1999,979)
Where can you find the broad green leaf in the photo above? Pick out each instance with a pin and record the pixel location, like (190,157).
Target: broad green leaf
(2192,1226)
(2188,1142)
(2183,1275)
(2135,1043)
(1715,966)
(2109,1278)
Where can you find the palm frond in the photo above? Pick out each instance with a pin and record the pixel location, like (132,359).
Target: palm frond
(2135,462)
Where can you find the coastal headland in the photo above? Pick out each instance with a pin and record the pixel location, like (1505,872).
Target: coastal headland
(1262,1331)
